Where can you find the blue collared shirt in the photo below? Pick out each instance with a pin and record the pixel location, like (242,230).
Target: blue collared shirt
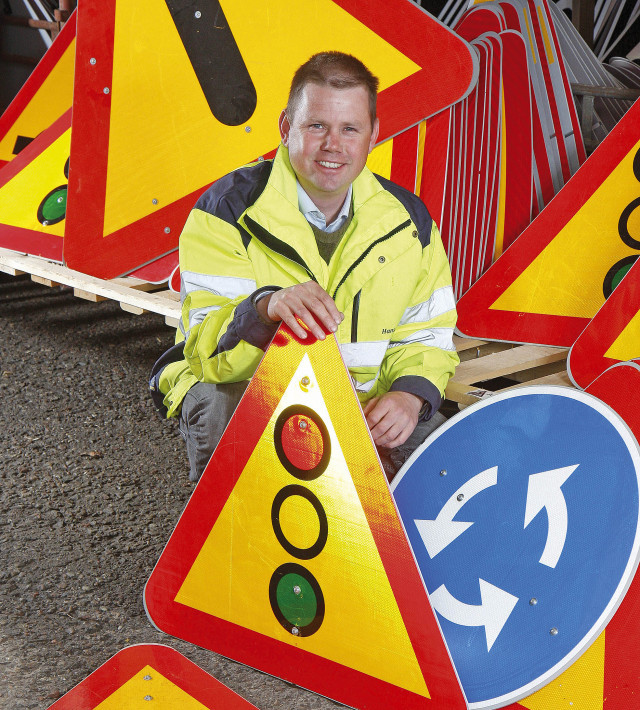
(314,216)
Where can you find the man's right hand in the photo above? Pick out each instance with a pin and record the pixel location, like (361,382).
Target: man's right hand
(307,302)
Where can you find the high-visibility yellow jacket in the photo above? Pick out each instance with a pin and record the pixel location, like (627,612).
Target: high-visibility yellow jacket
(389,276)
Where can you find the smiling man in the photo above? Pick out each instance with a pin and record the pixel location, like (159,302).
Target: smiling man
(316,240)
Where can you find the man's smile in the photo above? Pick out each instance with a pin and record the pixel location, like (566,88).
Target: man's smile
(327,164)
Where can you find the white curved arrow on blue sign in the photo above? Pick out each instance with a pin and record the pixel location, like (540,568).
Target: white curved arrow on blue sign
(441,532)
(493,613)
(545,491)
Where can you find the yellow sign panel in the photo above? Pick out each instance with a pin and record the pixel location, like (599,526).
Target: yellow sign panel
(159,110)
(157,691)
(49,101)
(580,687)
(627,345)
(39,185)
(566,278)
(243,548)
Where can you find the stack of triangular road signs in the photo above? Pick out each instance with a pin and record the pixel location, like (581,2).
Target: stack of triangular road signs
(583,67)
(552,281)
(290,556)
(152,125)
(501,154)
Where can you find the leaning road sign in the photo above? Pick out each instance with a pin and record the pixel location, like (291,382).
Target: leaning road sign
(153,126)
(314,579)
(154,676)
(614,333)
(33,193)
(553,279)
(45,96)
(525,547)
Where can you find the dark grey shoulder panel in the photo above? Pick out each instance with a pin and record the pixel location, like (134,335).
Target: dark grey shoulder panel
(415,207)
(230,196)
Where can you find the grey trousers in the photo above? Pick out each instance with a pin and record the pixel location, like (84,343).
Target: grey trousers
(207,409)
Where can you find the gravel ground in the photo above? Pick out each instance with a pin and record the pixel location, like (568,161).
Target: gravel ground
(92,483)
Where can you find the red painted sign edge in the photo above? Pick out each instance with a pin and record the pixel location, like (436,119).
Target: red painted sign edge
(475,317)
(586,359)
(29,240)
(267,654)
(121,252)
(37,77)
(119,669)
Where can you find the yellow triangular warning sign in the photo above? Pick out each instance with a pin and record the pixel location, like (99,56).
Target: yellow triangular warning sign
(33,194)
(290,555)
(556,276)
(170,98)
(45,96)
(243,546)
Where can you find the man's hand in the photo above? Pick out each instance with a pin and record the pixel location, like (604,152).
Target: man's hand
(392,417)
(307,301)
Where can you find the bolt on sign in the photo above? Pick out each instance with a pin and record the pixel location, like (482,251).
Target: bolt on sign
(556,276)
(171,96)
(150,675)
(314,579)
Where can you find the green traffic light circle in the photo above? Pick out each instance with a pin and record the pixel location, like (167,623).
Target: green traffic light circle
(53,208)
(296,599)
(616,273)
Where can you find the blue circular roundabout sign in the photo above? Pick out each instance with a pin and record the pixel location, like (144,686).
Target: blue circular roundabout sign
(523,515)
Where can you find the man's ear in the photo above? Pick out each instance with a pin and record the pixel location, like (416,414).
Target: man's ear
(285,127)
(374,134)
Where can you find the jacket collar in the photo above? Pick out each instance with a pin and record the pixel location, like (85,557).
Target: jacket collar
(277,211)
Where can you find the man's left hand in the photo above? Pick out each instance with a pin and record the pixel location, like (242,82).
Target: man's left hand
(392,417)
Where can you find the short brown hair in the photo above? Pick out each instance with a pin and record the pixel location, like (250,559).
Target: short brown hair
(337,69)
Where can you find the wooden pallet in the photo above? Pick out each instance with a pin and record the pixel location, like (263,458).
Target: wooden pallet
(133,295)
(485,367)
(489,367)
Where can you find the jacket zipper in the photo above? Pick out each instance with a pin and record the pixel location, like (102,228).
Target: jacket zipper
(364,254)
(354,318)
(277,245)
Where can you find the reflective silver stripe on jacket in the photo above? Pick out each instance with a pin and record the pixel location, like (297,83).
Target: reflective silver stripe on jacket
(366,354)
(441,301)
(196,315)
(225,286)
(433,337)
(364,386)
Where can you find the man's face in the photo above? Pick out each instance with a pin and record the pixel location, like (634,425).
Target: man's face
(329,139)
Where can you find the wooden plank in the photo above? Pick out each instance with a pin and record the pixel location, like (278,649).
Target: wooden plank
(83,284)
(507,363)
(44,281)
(465,394)
(10,270)
(557,378)
(88,295)
(129,308)
(463,344)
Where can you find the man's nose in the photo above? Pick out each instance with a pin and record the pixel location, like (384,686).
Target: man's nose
(332,141)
